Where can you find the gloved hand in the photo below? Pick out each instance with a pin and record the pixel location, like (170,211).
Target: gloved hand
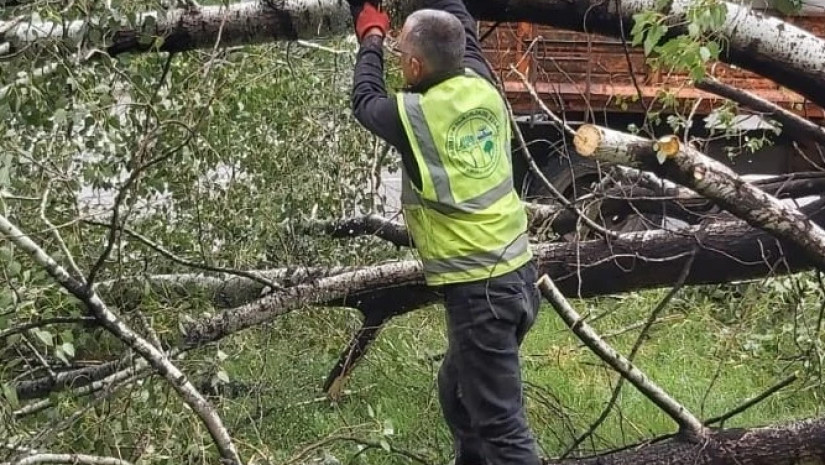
(367,16)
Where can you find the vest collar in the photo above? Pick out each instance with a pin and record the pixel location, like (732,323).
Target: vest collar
(432,81)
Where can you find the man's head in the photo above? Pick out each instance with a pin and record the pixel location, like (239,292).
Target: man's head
(431,42)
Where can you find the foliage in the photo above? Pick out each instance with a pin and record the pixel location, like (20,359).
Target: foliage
(216,156)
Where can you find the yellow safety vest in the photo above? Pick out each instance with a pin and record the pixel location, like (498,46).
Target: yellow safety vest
(467,221)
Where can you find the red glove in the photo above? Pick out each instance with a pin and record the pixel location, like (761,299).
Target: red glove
(371,17)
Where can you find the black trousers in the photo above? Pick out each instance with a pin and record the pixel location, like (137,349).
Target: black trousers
(479,382)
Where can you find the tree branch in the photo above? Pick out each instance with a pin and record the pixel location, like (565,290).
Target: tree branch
(763,44)
(795,124)
(188,263)
(68,458)
(687,166)
(688,424)
(112,322)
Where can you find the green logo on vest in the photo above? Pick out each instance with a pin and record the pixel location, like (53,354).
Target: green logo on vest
(472,143)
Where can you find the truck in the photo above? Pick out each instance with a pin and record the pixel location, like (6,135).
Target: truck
(590,78)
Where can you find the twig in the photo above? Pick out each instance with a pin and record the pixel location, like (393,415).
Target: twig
(57,237)
(689,425)
(303,453)
(562,125)
(185,262)
(752,401)
(40,358)
(308,44)
(654,316)
(795,123)
(26,81)
(121,378)
(177,379)
(48,321)
(553,190)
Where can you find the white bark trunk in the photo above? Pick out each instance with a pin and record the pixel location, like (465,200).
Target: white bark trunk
(692,169)
(791,56)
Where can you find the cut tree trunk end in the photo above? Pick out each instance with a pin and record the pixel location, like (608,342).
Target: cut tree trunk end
(670,159)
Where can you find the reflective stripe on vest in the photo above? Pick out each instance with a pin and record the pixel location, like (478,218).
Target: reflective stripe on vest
(477,260)
(441,182)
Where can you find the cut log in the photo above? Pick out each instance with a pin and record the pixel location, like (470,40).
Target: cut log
(801,443)
(670,159)
(765,45)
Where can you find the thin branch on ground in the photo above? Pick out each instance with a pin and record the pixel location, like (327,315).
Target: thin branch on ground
(689,425)
(68,458)
(651,320)
(752,401)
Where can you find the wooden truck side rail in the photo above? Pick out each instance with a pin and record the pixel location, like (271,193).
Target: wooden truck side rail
(578,72)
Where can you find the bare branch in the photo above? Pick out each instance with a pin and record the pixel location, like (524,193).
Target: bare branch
(185,262)
(366,225)
(560,122)
(688,424)
(753,401)
(44,322)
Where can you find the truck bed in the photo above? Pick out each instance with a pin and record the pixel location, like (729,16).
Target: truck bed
(579,72)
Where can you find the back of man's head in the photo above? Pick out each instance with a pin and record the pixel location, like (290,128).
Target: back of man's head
(438,38)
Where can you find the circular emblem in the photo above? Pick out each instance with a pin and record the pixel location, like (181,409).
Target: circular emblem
(472,143)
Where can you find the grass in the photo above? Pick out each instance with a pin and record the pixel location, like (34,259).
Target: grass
(704,354)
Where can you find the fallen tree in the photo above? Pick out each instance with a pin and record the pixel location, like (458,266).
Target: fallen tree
(728,251)
(766,45)
(690,168)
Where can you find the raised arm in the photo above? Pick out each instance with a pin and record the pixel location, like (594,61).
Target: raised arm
(473,56)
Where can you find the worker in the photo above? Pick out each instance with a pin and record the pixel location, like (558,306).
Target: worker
(451,128)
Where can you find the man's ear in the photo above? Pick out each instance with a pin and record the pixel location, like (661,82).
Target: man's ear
(418,67)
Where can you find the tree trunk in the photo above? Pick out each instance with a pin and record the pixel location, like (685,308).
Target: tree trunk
(690,168)
(765,45)
(801,443)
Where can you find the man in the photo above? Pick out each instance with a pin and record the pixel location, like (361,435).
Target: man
(468,225)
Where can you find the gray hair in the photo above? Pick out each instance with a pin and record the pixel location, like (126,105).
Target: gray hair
(438,37)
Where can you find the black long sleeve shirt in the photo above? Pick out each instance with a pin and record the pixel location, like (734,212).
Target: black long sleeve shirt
(377,110)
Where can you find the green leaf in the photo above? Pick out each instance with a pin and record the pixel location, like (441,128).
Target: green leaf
(389,430)
(67,348)
(223,376)
(44,336)
(385,445)
(704,53)
(654,35)
(694,29)
(11,395)
(14,268)
(6,299)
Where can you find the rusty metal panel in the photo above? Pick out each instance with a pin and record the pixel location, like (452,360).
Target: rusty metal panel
(574,71)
